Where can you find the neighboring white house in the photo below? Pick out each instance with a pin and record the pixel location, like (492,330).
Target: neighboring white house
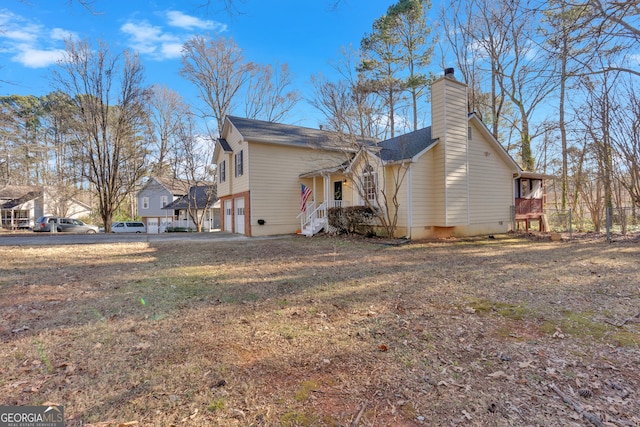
(21,205)
(457,179)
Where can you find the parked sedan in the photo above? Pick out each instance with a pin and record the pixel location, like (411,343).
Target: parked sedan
(66,225)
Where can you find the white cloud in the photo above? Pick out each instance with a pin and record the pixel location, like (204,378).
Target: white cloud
(38,58)
(172,50)
(159,44)
(28,43)
(181,20)
(62,34)
(151,40)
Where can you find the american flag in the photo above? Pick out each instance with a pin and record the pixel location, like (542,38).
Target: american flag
(304,196)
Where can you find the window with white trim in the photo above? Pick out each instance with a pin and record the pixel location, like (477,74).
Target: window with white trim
(145,203)
(165,200)
(239,166)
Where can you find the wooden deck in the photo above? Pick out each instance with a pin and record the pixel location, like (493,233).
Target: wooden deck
(528,211)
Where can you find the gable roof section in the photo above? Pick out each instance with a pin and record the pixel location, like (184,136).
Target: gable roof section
(176,186)
(406,146)
(225,145)
(327,171)
(16,195)
(201,196)
(492,140)
(277,133)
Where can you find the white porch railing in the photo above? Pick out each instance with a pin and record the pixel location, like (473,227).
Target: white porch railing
(337,204)
(313,219)
(207,224)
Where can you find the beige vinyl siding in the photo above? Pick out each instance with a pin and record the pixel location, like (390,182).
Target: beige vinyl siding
(437,109)
(275,191)
(449,125)
(394,174)
(439,201)
(233,184)
(456,161)
(238,184)
(424,201)
(223,188)
(491,180)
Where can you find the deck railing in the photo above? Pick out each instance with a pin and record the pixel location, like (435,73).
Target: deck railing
(528,207)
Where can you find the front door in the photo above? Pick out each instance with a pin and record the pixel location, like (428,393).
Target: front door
(228,216)
(239,207)
(337,193)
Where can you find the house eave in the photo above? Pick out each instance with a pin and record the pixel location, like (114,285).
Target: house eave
(534,175)
(312,146)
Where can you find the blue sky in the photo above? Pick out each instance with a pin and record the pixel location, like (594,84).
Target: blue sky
(306,34)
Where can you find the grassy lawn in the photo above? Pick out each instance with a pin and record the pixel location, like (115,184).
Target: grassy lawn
(324,332)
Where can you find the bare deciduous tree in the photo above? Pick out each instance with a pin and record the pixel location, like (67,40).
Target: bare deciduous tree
(192,154)
(625,139)
(478,45)
(347,105)
(166,114)
(217,68)
(110,100)
(268,96)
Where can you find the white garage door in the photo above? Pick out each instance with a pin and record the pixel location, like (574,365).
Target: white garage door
(239,205)
(152,225)
(228,216)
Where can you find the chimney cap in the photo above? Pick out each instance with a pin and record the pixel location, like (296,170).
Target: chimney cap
(448,72)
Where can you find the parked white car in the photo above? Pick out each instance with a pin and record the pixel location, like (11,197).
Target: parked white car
(128,227)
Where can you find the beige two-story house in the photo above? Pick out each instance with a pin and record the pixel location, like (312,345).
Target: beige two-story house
(450,179)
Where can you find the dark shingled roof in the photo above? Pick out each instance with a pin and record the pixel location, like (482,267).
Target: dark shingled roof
(224,144)
(15,195)
(277,133)
(201,195)
(406,146)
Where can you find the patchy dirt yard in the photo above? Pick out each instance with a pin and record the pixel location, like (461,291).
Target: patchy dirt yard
(325,331)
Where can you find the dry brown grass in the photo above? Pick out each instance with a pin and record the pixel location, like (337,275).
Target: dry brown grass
(324,332)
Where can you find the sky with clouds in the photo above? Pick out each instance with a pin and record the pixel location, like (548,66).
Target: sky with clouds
(307,35)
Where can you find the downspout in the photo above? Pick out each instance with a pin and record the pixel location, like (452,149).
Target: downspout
(513,197)
(466,94)
(409,202)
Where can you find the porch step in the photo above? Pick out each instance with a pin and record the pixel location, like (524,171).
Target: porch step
(312,228)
